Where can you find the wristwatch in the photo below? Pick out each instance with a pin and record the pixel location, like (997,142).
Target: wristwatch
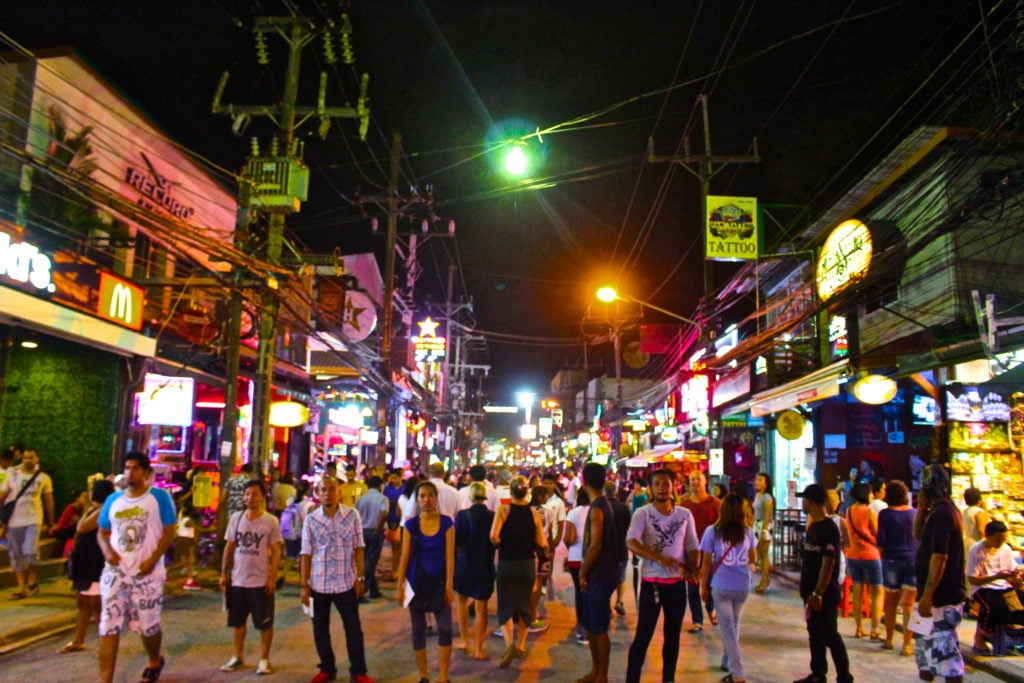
(361,579)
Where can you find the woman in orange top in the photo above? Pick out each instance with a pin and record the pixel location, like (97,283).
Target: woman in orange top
(863,559)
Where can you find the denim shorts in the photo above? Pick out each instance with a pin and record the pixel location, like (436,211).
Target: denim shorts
(597,606)
(898,574)
(864,571)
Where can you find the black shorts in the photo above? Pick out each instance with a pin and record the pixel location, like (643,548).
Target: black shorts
(245,601)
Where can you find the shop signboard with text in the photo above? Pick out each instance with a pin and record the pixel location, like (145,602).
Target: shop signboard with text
(731,230)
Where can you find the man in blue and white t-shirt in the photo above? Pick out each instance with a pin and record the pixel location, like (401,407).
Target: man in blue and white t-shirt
(664,536)
(137,526)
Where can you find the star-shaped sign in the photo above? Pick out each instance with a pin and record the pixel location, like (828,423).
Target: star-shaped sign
(428,328)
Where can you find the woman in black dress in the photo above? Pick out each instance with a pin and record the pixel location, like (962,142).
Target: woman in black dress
(518,532)
(87,565)
(474,569)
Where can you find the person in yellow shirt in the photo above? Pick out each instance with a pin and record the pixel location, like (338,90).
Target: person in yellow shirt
(352,489)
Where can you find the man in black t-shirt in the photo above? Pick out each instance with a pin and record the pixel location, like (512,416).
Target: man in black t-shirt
(819,588)
(940,577)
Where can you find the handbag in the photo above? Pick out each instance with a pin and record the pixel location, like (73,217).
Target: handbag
(8,509)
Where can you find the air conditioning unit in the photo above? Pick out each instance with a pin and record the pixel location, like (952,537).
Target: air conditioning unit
(276,184)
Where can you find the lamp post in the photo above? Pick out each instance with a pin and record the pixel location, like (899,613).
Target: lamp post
(610,294)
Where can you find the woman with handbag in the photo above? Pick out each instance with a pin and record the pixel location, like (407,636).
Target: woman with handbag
(864,561)
(518,532)
(86,565)
(428,567)
(728,549)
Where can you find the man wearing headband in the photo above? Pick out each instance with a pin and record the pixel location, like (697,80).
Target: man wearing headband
(940,577)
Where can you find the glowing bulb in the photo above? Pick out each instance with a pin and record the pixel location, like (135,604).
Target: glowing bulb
(607,294)
(516,161)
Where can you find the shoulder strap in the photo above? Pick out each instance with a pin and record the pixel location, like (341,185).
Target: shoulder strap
(25,485)
(719,561)
(849,522)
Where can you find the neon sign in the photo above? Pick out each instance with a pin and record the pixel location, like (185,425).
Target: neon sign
(428,352)
(25,264)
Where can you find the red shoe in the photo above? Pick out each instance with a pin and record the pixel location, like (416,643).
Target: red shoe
(362,678)
(323,677)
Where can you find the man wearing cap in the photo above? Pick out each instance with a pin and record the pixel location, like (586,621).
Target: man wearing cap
(819,588)
(940,577)
(991,573)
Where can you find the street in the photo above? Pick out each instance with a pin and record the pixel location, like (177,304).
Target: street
(197,643)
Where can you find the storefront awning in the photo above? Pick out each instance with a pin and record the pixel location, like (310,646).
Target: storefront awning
(18,308)
(816,386)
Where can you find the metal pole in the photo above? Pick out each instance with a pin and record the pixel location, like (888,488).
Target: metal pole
(386,331)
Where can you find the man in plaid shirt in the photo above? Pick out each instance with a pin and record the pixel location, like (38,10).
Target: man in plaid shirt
(332,574)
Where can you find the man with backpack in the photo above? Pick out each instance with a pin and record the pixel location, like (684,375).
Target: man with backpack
(372,507)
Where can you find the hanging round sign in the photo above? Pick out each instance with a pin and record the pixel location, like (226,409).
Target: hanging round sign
(359,316)
(790,425)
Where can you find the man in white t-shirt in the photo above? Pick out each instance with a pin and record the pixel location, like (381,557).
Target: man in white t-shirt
(447,495)
(137,526)
(990,570)
(33,516)
(252,554)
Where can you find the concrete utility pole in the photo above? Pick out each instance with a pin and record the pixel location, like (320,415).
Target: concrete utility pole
(276,184)
(704,167)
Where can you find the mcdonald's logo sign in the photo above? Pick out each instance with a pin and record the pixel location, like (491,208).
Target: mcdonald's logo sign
(120,301)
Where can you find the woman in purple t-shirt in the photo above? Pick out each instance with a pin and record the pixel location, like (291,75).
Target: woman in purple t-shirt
(728,550)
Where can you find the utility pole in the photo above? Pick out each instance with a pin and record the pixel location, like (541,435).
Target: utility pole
(704,167)
(276,184)
(387,326)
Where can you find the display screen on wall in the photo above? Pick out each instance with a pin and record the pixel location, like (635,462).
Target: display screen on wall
(165,401)
(979,436)
(924,410)
(967,403)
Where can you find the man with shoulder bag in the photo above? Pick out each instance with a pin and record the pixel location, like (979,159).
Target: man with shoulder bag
(26,497)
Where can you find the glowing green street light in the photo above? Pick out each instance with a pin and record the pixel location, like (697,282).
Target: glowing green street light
(516,161)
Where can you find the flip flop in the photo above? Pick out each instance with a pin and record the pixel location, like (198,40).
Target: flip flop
(152,674)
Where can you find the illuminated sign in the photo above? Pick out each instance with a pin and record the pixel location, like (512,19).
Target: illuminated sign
(165,401)
(288,414)
(25,264)
(120,301)
(545,425)
(558,416)
(731,228)
(837,337)
(875,389)
(694,397)
(428,353)
(844,259)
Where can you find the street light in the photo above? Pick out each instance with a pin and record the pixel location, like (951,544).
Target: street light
(609,294)
(525,400)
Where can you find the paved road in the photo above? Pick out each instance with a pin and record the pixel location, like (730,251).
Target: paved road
(197,643)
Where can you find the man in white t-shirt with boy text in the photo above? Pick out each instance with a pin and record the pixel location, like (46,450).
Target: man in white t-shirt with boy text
(248,576)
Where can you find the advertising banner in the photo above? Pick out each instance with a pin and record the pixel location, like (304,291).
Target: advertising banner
(730,229)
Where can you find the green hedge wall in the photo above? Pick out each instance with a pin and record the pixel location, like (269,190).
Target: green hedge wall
(61,399)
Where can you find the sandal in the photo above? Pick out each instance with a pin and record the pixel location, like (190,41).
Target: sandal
(860,633)
(151,674)
(713,617)
(19,595)
(33,589)
(730,679)
(696,628)
(875,635)
(70,647)
(908,651)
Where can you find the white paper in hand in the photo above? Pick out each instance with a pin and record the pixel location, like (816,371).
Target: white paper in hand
(308,609)
(920,625)
(409,592)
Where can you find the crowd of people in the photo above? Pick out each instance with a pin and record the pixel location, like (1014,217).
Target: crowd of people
(459,541)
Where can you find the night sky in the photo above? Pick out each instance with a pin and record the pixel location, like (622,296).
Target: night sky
(828,88)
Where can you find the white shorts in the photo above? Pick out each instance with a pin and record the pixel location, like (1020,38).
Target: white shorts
(133,602)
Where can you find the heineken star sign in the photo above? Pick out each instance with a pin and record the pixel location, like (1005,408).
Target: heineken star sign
(730,228)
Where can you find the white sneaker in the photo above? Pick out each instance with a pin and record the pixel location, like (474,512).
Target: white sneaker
(263,668)
(233,664)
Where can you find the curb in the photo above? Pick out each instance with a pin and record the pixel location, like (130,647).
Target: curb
(44,628)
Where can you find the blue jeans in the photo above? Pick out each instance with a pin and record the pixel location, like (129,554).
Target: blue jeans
(654,597)
(374,541)
(693,597)
(730,607)
(596,611)
(348,607)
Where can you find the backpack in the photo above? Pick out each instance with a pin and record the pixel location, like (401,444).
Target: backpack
(291,523)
